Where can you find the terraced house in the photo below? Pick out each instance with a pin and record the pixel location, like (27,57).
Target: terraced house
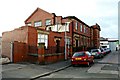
(59,34)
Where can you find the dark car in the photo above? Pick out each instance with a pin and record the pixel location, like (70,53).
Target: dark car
(108,50)
(83,57)
(96,53)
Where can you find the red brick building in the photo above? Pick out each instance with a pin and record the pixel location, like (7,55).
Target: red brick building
(44,27)
(80,34)
(96,35)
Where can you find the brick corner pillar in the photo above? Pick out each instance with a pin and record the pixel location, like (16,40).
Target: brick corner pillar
(71,52)
(41,52)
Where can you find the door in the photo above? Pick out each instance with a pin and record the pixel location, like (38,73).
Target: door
(57,46)
(76,43)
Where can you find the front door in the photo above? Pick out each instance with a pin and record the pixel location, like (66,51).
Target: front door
(76,43)
(57,46)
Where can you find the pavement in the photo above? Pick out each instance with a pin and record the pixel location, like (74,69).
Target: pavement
(108,65)
(31,71)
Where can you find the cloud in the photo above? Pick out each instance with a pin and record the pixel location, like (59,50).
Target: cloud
(104,12)
(110,32)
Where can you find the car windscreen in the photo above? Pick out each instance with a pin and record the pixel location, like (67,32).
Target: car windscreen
(95,50)
(79,54)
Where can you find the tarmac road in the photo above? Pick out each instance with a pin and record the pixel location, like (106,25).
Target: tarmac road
(104,69)
(27,71)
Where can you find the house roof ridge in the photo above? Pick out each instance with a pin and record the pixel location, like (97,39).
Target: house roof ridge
(36,11)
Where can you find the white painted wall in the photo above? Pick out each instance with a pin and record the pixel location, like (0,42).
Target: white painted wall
(59,28)
(113,45)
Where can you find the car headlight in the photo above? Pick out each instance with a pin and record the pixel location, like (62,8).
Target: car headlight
(85,59)
(72,59)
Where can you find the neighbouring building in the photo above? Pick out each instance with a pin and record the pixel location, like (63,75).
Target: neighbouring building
(96,36)
(59,34)
(104,42)
(113,44)
(109,43)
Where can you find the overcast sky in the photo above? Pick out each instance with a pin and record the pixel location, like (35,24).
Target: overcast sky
(13,13)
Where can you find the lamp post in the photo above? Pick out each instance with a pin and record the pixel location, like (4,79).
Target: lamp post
(66,25)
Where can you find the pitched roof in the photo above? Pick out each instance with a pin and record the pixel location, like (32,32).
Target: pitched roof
(35,12)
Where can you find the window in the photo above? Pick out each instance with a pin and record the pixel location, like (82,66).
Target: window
(42,38)
(81,27)
(76,25)
(85,41)
(78,54)
(48,22)
(84,29)
(38,23)
(29,24)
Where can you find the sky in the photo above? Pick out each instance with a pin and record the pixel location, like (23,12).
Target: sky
(13,13)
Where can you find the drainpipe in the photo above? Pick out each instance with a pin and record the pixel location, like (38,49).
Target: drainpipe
(11,52)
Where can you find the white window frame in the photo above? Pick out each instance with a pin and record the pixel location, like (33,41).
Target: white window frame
(37,23)
(81,27)
(43,38)
(48,22)
(76,25)
(84,29)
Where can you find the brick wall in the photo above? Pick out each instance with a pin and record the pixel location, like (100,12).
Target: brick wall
(40,15)
(96,35)
(24,34)
(20,52)
(19,34)
(32,36)
(6,49)
(25,42)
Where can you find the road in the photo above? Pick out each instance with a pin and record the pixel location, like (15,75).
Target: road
(107,68)
(100,70)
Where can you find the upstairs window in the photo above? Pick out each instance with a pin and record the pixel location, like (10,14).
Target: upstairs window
(81,27)
(84,29)
(48,22)
(38,23)
(76,25)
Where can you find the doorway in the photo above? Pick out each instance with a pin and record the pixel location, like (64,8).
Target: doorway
(57,46)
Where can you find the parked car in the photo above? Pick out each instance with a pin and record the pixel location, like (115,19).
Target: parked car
(83,57)
(96,53)
(103,51)
(108,50)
